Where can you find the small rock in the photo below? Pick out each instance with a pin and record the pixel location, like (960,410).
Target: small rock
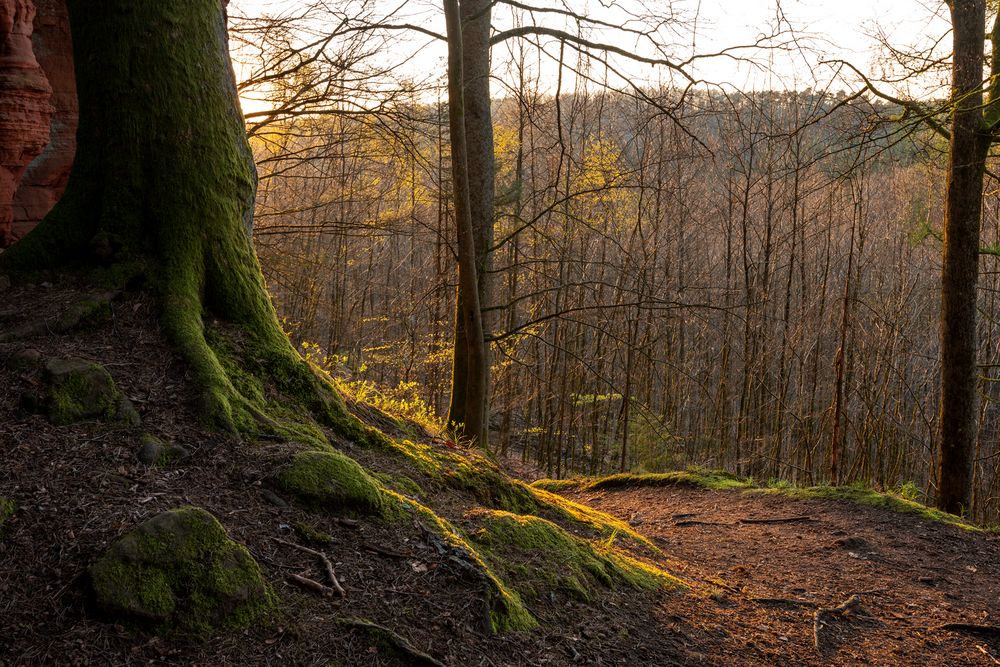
(79,389)
(151,449)
(854,543)
(127,412)
(87,314)
(274,499)
(4,283)
(155,452)
(24,359)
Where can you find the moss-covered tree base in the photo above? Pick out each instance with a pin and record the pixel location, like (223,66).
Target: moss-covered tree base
(161,195)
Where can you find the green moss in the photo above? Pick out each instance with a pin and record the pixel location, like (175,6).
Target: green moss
(86,314)
(475,474)
(311,535)
(179,573)
(871,498)
(583,516)
(539,556)
(705,478)
(401,484)
(331,481)
(718,480)
(79,389)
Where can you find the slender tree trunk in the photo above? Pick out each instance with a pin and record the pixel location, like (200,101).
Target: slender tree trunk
(475,424)
(478,120)
(960,269)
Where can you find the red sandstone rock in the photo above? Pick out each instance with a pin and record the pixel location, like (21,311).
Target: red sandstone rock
(25,110)
(45,178)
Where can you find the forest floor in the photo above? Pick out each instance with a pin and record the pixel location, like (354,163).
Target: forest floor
(771,562)
(754,588)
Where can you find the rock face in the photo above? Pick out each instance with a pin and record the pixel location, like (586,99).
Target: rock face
(25,111)
(45,178)
(180,573)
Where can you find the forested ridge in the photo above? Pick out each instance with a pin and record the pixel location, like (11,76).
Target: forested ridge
(708,271)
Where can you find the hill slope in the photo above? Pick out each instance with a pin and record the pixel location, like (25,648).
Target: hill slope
(447,560)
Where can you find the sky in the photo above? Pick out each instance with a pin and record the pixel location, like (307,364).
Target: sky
(828,29)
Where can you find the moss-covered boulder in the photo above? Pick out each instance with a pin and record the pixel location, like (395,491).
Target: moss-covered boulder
(179,573)
(333,482)
(155,452)
(77,389)
(89,313)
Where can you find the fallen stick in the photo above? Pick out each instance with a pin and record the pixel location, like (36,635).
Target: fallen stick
(845,607)
(693,522)
(385,552)
(787,519)
(311,585)
(985,651)
(331,575)
(784,601)
(970,628)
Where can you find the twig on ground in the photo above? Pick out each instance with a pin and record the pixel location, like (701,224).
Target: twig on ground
(785,601)
(311,585)
(985,651)
(330,573)
(848,606)
(385,552)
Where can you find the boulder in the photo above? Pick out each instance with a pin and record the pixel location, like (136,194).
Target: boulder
(154,451)
(179,573)
(331,481)
(77,389)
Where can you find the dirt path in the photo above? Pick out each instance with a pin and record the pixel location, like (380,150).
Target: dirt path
(763,582)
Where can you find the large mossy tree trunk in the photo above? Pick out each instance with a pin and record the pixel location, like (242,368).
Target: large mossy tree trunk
(163,187)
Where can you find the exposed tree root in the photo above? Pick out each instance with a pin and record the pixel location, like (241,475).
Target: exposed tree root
(383,635)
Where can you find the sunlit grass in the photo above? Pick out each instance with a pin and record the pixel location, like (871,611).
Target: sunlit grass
(902,500)
(695,477)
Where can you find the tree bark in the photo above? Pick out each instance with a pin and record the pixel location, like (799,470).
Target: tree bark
(478,120)
(960,270)
(162,192)
(469,313)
